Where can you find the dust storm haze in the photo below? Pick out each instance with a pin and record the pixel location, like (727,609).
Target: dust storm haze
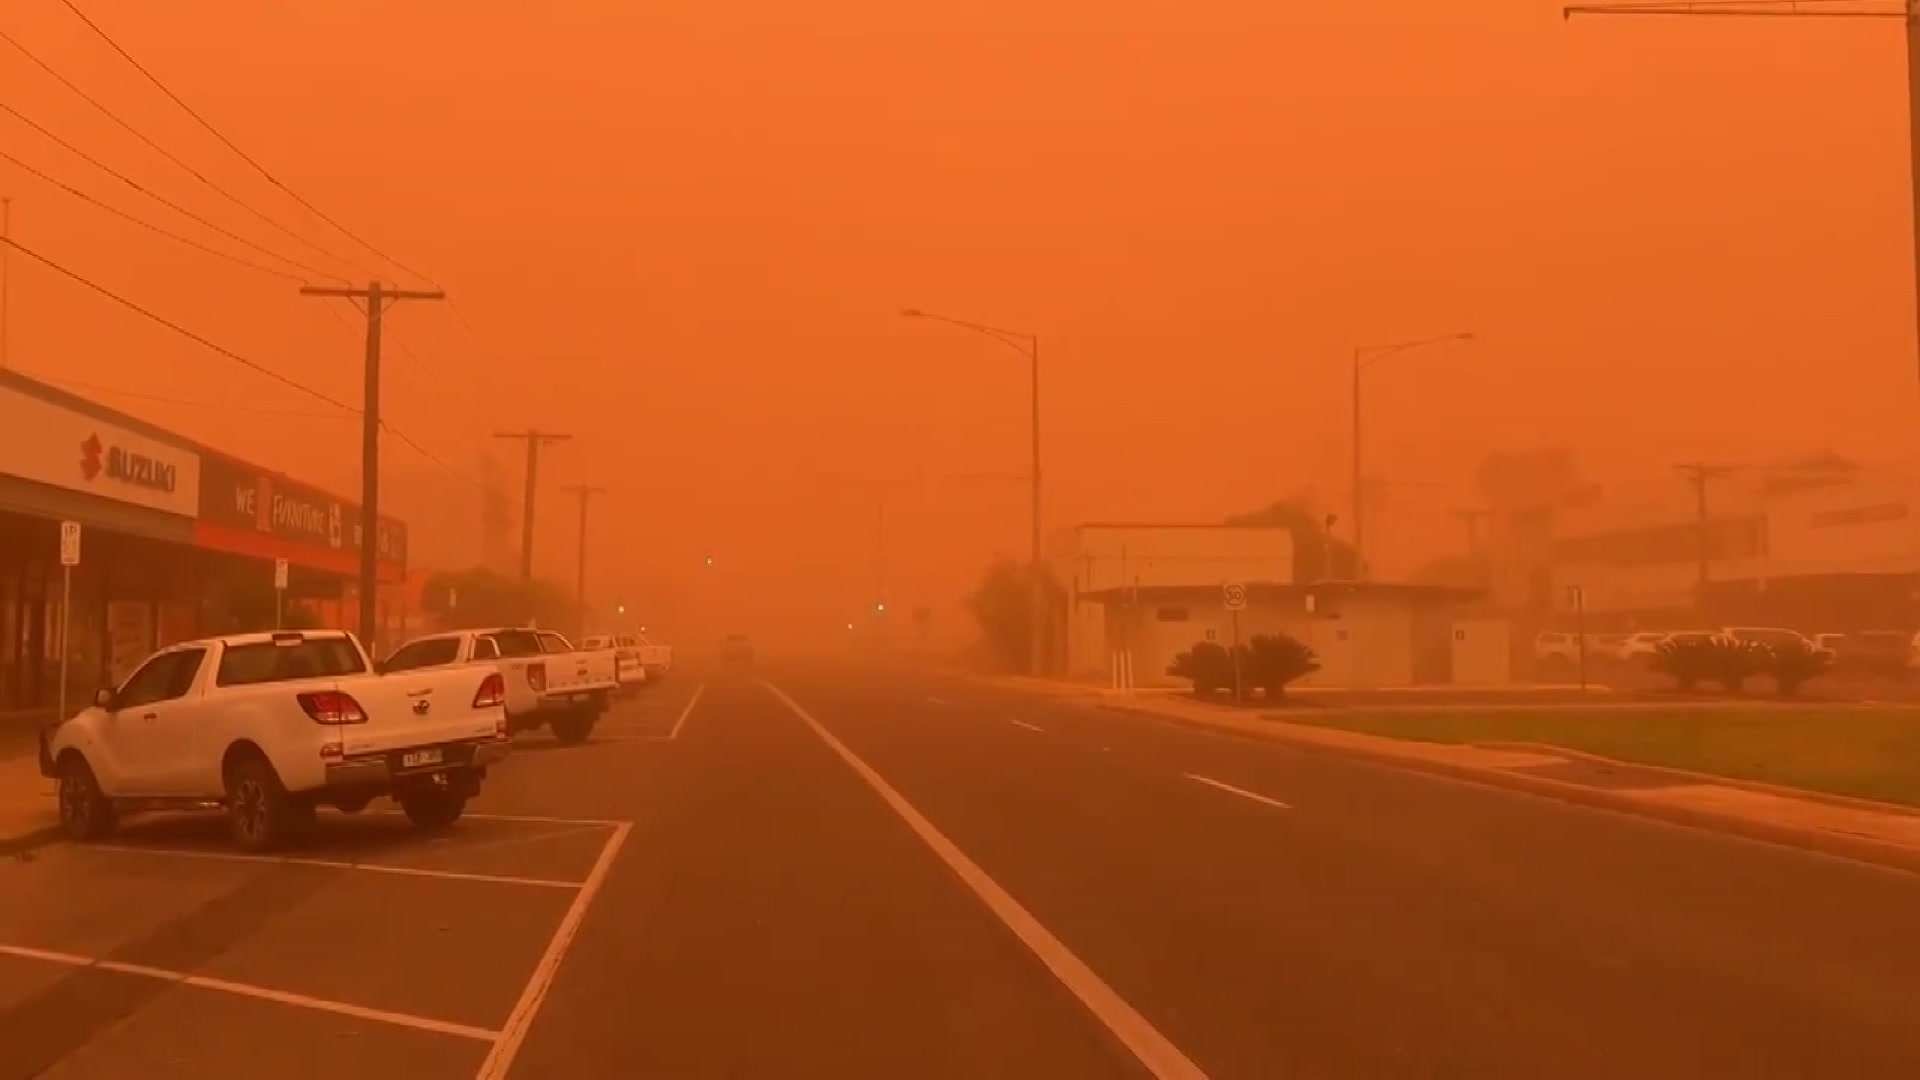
(683,233)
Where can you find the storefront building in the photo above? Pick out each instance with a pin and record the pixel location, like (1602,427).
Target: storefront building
(178,541)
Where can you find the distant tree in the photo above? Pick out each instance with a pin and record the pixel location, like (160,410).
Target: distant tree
(1317,554)
(1792,663)
(1208,665)
(1003,604)
(1271,661)
(484,597)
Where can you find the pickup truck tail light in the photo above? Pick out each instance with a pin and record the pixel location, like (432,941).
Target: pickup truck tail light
(537,676)
(332,707)
(492,693)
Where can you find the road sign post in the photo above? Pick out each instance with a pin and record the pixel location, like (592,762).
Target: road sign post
(1577,597)
(279,593)
(69,558)
(1235,597)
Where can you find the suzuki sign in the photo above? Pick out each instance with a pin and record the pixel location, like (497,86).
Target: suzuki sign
(51,444)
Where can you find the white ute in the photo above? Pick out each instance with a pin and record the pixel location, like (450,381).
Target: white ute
(271,726)
(548,682)
(626,656)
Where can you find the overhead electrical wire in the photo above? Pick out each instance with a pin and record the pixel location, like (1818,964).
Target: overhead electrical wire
(162,199)
(145,224)
(241,154)
(168,154)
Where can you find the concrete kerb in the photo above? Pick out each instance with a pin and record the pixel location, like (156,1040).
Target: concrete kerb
(1858,848)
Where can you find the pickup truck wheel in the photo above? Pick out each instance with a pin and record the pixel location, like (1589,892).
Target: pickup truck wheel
(573,727)
(85,813)
(259,814)
(433,808)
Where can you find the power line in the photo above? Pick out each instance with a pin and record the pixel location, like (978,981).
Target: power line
(145,224)
(96,388)
(161,199)
(229,143)
(165,153)
(176,327)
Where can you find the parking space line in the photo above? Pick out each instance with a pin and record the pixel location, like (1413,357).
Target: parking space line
(514,1031)
(1152,1049)
(1242,792)
(686,712)
(340,864)
(263,993)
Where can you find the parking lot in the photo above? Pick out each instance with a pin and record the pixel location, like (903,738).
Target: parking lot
(370,948)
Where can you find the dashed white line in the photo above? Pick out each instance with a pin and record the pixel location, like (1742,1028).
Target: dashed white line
(1029,727)
(514,1031)
(228,986)
(1242,792)
(1155,1051)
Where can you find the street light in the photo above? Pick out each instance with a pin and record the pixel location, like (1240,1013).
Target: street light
(1366,356)
(1027,344)
(881,607)
(620,609)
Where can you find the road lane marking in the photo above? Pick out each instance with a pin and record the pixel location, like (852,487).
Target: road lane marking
(228,986)
(1242,792)
(686,712)
(938,701)
(1154,1050)
(514,1031)
(339,864)
(1029,727)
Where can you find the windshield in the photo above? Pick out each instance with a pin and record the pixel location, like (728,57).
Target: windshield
(430,652)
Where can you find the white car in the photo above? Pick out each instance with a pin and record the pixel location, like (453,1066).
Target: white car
(655,657)
(628,668)
(1554,647)
(1641,647)
(548,683)
(271,726)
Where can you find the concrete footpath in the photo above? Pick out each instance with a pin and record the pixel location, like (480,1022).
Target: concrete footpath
(28,815)
(1861,829)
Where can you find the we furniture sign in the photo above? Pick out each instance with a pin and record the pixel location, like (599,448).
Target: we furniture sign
(52,444)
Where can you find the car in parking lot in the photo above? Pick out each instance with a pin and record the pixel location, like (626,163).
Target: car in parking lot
(271,726)
(629,671)
(1640,646)
(548,682)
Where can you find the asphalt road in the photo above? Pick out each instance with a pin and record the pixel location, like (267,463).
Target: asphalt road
(842,873)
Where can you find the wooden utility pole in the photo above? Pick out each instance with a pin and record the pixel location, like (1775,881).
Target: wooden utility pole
(377,297)
(534,440)
(1700,474)
(1907,11)
(586,493)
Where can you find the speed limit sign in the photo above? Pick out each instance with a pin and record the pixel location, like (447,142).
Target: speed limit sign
(1236,595)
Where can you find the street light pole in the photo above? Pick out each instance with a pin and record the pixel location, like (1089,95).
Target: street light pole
(1028,344)
(1363,354)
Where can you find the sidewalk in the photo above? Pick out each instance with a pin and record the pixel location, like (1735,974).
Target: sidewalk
(28,815)
(1875,832)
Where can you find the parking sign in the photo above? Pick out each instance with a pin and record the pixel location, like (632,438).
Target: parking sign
(69,543)
(279,573)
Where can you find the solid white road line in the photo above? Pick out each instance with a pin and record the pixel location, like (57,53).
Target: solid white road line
(1029,727)
(1155,1051)
(340,864)
(686,712)
(1242,792)
(227,986)
(514,1031)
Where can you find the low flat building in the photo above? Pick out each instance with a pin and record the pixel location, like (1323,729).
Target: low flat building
(178,541)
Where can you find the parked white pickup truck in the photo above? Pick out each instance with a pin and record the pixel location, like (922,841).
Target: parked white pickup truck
(548,682)
(271,726)
(628,667)
(655,657)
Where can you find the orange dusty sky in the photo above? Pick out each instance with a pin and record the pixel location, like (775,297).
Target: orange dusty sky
(681,230)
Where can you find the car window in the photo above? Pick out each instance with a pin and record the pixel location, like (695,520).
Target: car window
(163,678)
(517,642)
(485,649)
(283,661)
(554,643)
(429,652)
(596,642)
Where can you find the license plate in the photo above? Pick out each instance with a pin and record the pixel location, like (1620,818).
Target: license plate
(415,758)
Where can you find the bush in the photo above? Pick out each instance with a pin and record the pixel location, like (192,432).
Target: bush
(1792,663)
(1691,661)
(1207,664)
(1271,661)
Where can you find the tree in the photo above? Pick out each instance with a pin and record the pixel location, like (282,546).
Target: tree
(1208,665)
(483,597)
(1271,661)
(1318,555)
(1792,663)
(1003,606)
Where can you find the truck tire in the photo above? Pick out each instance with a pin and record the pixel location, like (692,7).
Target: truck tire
(85,812)
(433,808)
(260,817)
(573,726)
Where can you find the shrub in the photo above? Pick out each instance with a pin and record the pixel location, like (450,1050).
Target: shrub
(1691,661)
(1271,661)
(1207,664)
(1792,663)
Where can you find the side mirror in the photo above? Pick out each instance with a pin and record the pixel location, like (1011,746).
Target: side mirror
(103,698)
